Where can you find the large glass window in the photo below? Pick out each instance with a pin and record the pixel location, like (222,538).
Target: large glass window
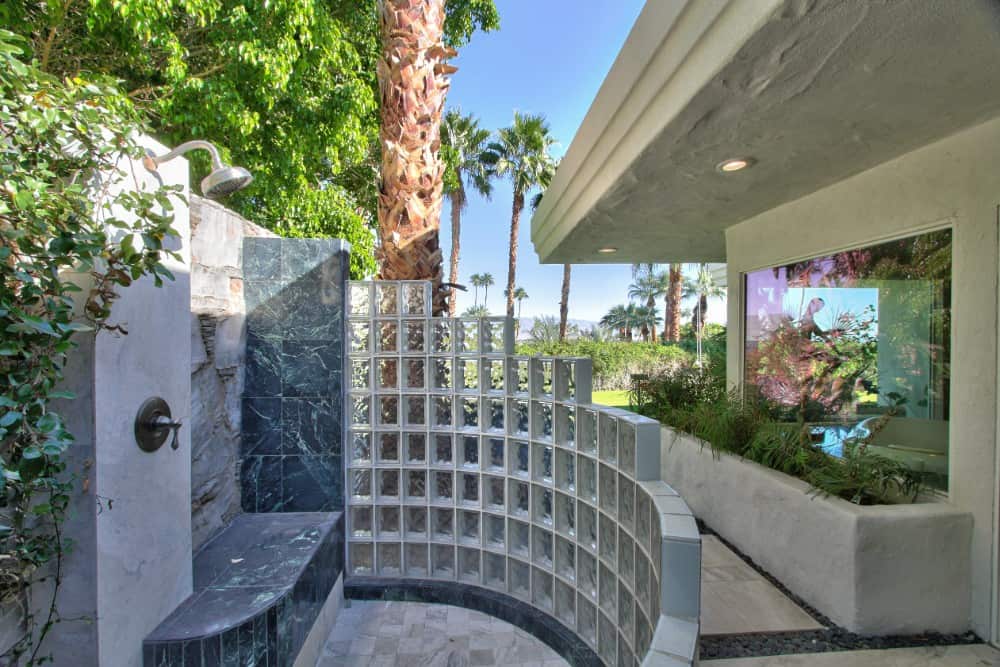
(841,341)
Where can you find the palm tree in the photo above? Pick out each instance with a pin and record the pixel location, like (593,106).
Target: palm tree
(564,302)
(674,277)
(413,81)
(703,287)
(617,319)
(476,311)
(519,295)
(646,288)
(463,144)
(646,318)
(487,281)
(632,321)
(521,154)
(477,281)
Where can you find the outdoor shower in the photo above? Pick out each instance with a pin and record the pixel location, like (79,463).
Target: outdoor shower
(223,180)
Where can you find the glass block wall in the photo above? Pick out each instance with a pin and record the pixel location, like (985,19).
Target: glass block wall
(468,463)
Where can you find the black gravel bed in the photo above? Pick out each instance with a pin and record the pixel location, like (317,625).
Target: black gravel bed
(832,638)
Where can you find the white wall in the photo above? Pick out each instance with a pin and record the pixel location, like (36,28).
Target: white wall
(954,183)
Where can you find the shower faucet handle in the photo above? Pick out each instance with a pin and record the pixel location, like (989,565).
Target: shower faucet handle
(165,422)
(154,423)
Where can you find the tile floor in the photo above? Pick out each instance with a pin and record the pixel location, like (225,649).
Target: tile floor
(936,656)
(405,634)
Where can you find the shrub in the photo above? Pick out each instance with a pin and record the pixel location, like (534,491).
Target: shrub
(614,362)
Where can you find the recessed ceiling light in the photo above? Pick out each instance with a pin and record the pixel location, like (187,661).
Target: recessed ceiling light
(735,164)
(607,251)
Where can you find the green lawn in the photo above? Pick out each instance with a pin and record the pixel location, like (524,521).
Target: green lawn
(614,399)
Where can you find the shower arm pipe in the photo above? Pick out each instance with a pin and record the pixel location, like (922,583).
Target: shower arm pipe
(152,162)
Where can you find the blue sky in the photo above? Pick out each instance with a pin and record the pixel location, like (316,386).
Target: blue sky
(548,57)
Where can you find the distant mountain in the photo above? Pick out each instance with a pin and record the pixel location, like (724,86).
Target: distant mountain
(528,322)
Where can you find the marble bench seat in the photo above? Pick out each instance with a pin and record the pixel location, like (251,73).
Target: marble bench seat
(258,588)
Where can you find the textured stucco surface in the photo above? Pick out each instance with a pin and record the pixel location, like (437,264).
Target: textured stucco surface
(899,569)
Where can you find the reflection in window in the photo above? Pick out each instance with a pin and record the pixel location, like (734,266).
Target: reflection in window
(846,340)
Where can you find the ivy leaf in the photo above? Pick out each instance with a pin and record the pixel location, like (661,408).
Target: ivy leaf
(8,418)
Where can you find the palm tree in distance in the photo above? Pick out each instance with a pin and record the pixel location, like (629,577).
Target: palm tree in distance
(476,311)
(463,145)
(646,289)
(674,279)
(616,319)
(646,319)
(519,295)
(487,282)
(703,287)
(521,155)
(477,281)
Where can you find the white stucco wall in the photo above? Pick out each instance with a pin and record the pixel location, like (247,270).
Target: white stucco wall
(953,182)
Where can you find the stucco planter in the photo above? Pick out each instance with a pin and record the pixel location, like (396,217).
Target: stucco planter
(887,569)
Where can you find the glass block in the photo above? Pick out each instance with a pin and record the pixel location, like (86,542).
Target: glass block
(469,369)
(361,410)
(608,438)
(495,571)
(626,558)
(643,510)
(565,558)
(586,620)
(642,584)
(417,564)
(493,488)
(541,547)
(609,591)
(565,470)
(494,531)
(587,526)
(493,336)
(468,565)
(390,558)
(361,374)
(415,523)
(362,558)
(493,454)
(388,410)
(415,298)
(443,445)
(493,374)
(442,338)
(468,336)
(588,478)
(542,505)
(413,373)
(387,298)
(608,542)
(566,425)
(442,524)
(388,447)
(606,639)
(360,334)
(388,373)
(519,376)
(414,336)
(609,489)
(565,597)
(626,447)
(586,431)
(565,513)
(441,377)
(443,561)
(518,498)
(626,611)
(469,408)
(388,484)
(541,463)
(541,378)
(416,448)
(518,538)
(360,296)
(586,572)
(470,451)
(470,489)
(415,410)
(468,527)
(541,590)
(518,457)
(655,542)
(643,634)
(361,484)
(519,418)
(416,484)
(361,447)
(625,656)
(442,409)
(361,521)
(444,486)
(494,415)
(626,502)
(518,578)
(388,522)
(565,370)
(541,422)
(386,336)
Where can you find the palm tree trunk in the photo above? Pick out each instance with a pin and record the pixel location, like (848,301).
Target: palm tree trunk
(676,280)
(564,302)
(651,304)
(515,222)
(413,83)
(457,198)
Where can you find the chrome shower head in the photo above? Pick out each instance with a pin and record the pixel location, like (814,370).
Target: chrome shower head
(222,181)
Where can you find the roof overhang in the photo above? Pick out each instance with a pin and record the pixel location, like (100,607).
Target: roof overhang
(814,90)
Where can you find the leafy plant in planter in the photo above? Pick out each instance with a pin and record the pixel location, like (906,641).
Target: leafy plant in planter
(62,145)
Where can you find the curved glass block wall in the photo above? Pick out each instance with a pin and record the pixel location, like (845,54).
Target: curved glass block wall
(468,463)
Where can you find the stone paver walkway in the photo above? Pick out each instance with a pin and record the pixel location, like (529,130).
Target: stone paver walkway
(408,634)
(977,655)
